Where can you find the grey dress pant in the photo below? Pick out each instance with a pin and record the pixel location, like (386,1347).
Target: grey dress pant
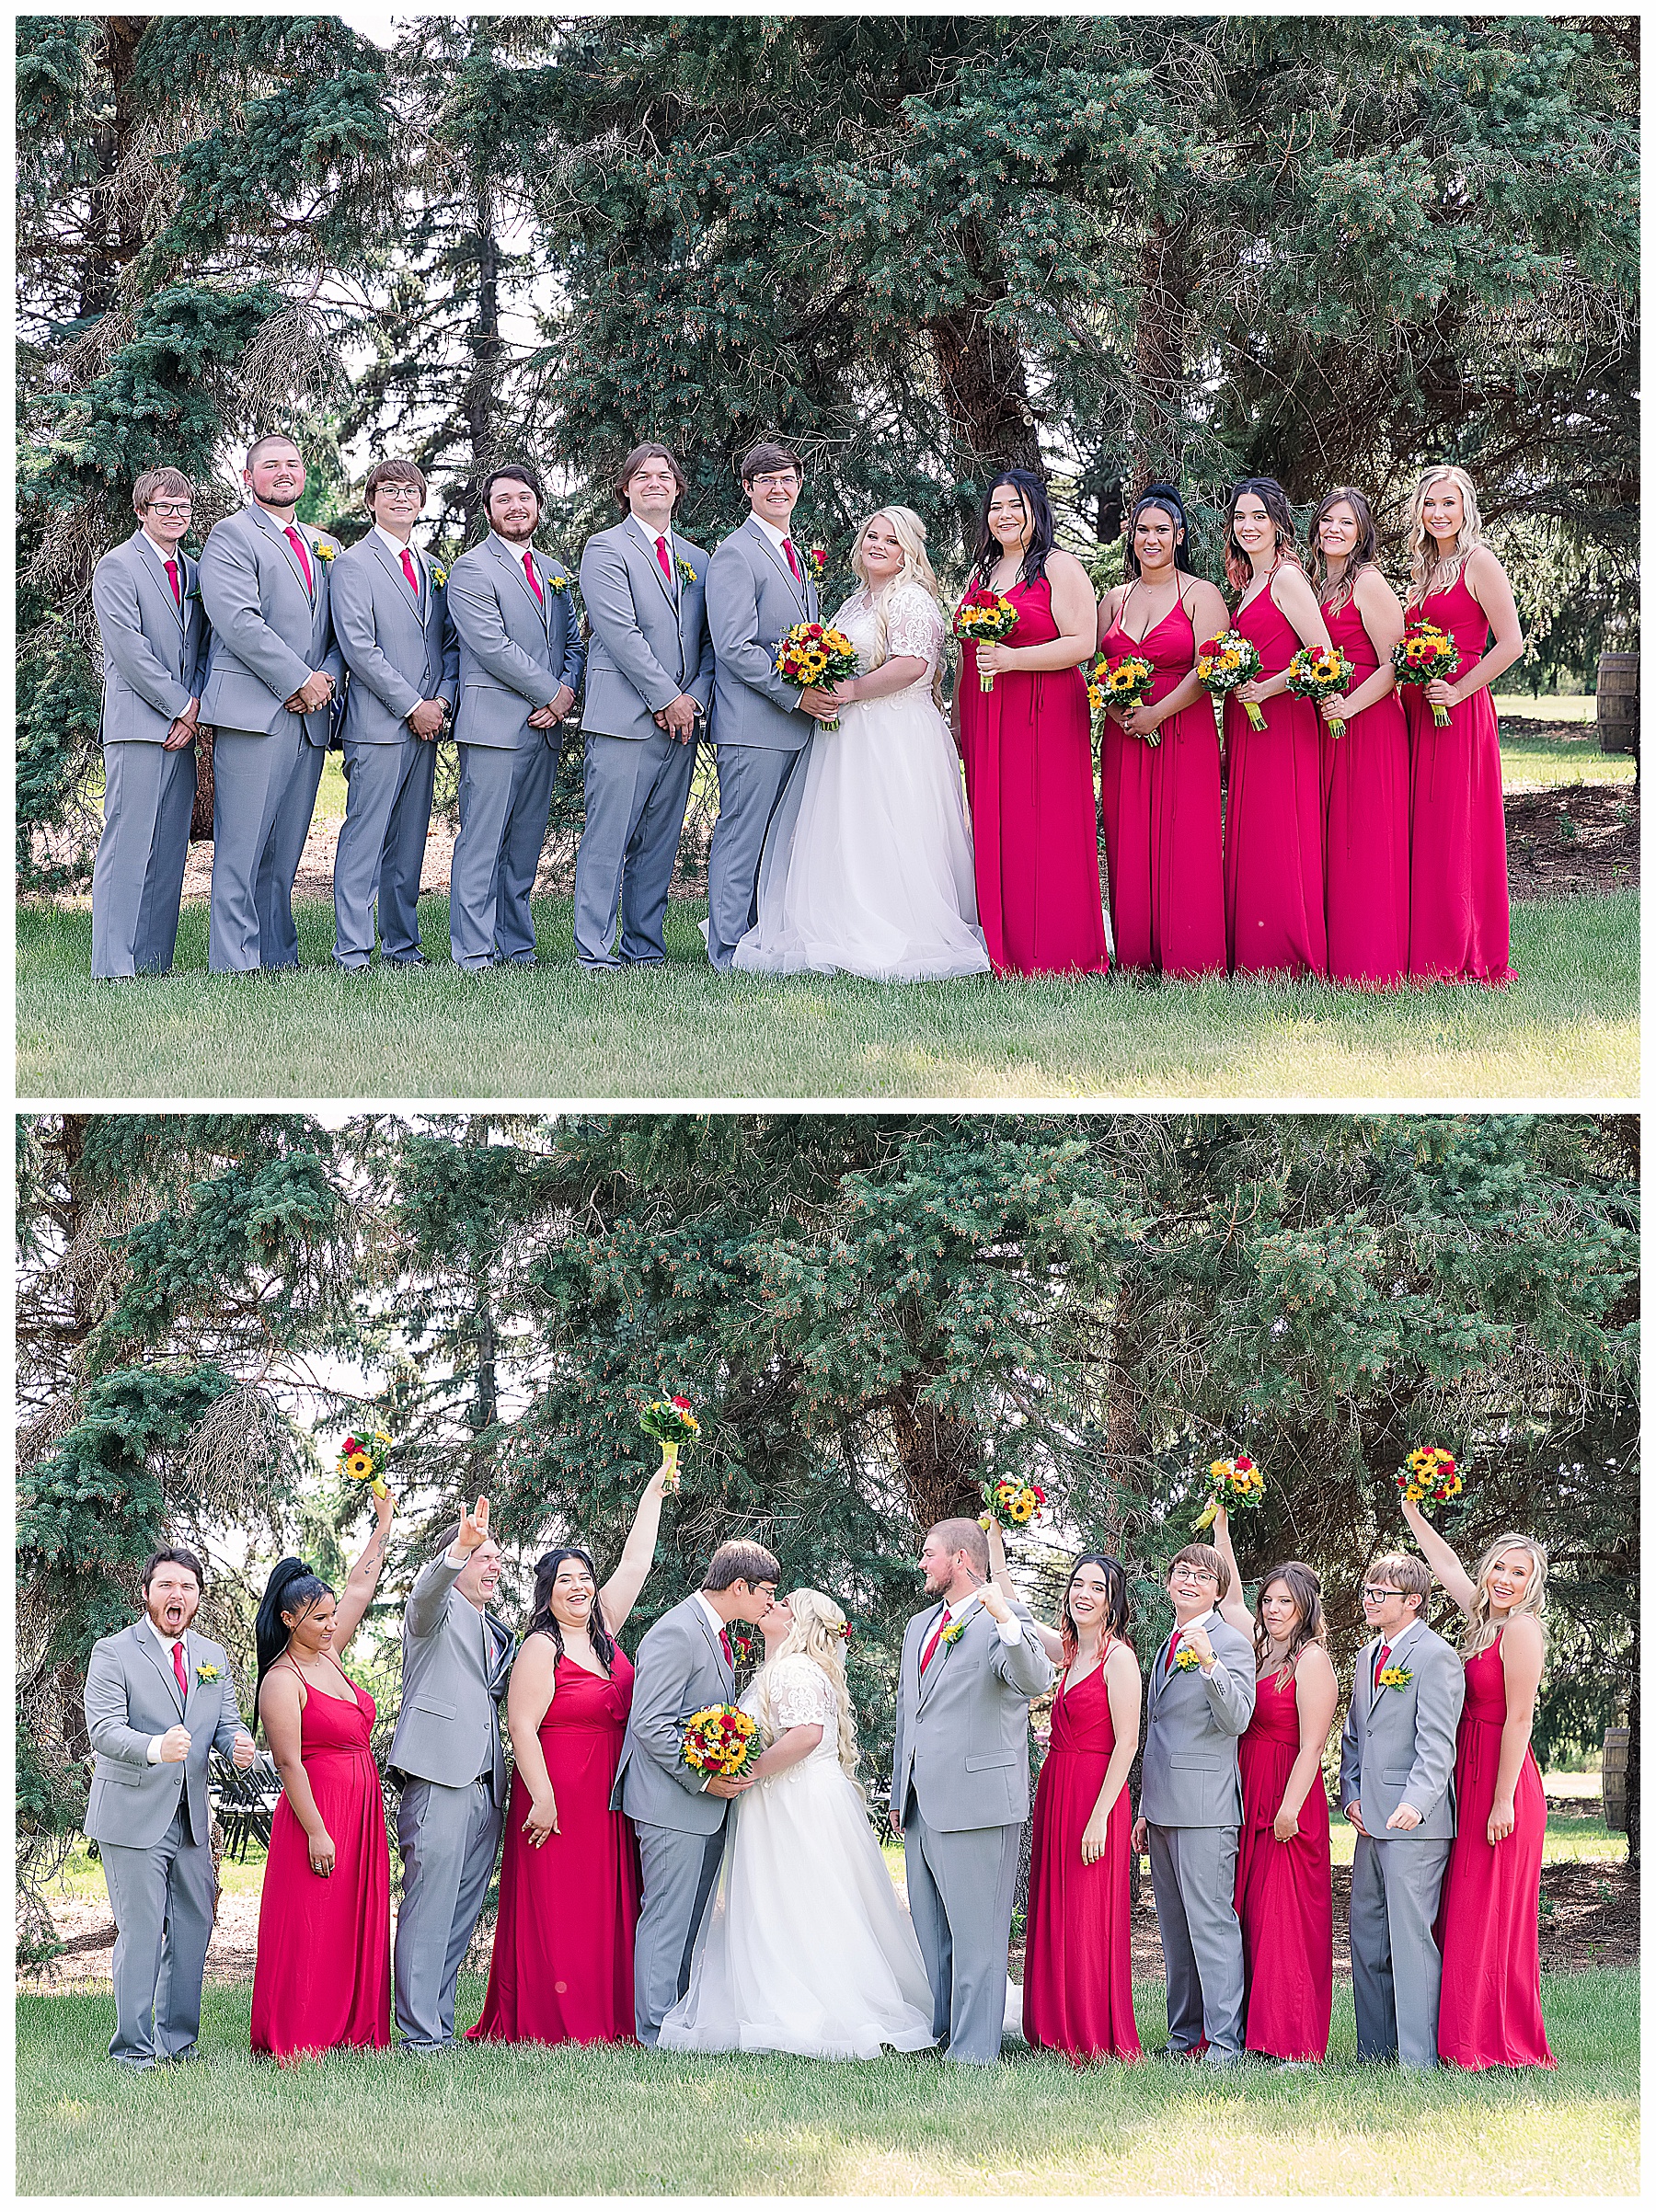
(251,773)
(161,1895)
(448,1838)
(138,876)
(505,796)
(278,937)
(679,1868)
(1396,1968)
(1193,1874)
(382,849)
(752,782)
(961,1886)
(637,791)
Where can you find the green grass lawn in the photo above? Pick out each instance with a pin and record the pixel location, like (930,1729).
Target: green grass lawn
(1569,1028)
(615,2121)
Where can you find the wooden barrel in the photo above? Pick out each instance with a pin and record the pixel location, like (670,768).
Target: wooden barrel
(1616,1778)
(1618,702)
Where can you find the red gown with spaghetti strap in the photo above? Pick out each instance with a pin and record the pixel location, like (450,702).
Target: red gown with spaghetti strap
(1078,1946)
(1274,817)
(1488,1922)
(562,1968)
(1028,749)
(1366,809)
(1459,917)
(322,1977)
(1162,820)
(1284,1891)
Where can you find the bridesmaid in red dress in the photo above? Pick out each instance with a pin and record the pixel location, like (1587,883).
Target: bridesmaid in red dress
(1489,1919)
(1459,917)
(322,1977)
(1027,746)
(563,1966)
(1161,805)
(1285,1878)
(1365,800)
(1274,817)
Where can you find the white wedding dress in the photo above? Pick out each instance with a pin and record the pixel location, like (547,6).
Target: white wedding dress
(869,871)
(804,1947)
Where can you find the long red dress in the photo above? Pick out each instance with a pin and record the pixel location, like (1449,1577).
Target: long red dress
(1162,822)
(1079,1947)
(562,1969)
(1488,1922)
(1366,809)
(322,1977)
(1284,1891)
(1459,918)
(1274,817)
(1028,749)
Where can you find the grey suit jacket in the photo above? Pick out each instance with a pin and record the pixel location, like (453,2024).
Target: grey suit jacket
(456,1663)
(963,1727)
(1397,1746)
(268,629)
(514,650)
(1191,1776)
(155,653)
(133,1695)
(649,637)
(752,600)
(679,1670)
(397,651)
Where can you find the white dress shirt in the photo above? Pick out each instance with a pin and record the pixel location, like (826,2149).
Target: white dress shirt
(165,1643)
(398,548)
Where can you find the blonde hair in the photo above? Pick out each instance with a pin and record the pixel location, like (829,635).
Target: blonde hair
(1481,1628)
(909,532)
(818,1631)
(1423,545)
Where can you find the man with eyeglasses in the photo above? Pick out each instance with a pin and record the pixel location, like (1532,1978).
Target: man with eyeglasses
(148,606)
(1396,1788)
(391,618)
(759,586)
(1201,1698)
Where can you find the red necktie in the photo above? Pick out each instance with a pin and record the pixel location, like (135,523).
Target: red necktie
(1172,1649)
(1381,1656)
(408,562)
(724,1645)
(793,560)
(925,1656)
(661,556)
(178,1667)
(172,577)
(298,542)
(533,580)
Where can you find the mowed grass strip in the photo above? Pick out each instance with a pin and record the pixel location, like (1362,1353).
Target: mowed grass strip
(1569,1028)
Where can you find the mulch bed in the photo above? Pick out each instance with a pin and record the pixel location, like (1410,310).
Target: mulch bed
(1572,838)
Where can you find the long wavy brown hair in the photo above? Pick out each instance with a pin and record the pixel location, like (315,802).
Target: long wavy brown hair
(1365,553)
(1306,1592)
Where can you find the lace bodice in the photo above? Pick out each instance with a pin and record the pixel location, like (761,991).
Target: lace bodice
(914,626)
(801,1696)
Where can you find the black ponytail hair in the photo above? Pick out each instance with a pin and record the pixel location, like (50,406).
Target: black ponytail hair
(293,1589)
(544,1622)
(1165,497)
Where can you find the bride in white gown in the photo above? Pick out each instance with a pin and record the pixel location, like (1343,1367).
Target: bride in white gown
(870,870)
(805,1946)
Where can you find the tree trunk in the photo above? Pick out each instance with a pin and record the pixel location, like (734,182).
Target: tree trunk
(1163,316)
(112,142)
(939,1457)
(483,383)
(981,375)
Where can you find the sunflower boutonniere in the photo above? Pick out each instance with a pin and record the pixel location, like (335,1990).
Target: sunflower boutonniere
(439,574)
(1395,1677)
(207,1672)
(684,569)
(555,580)
(955,1630)
(324,549)
(1184,1658)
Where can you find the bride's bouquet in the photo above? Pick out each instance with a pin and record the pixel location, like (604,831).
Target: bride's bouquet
(1127,680)
(718,1740)
(670,1422)
(1224,662)
(1316,673)
(985,617)
(815,653)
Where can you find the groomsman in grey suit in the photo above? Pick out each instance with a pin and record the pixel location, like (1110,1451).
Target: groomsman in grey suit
(649,682)
(447,1758)
(1396,1788)
(149,607)
(520,659)
(391,619)
(159,1697)
(960,1781)
(1190,1806)
(759,586)
(272,675)
(685,1664)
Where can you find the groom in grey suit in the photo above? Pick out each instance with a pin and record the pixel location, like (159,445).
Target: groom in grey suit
(649,682)
(391,618)
(759,586)
(447,1758)
(1190,1806)
(158,1698)
(520,659)
(685,1664)
(148,606)
(272,675)
(960,1781)
(1396,1788)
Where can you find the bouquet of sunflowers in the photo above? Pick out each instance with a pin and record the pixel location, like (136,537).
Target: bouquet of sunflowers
(1316,673)
(1237,1484)
(364,1458)
(815,653)
(718,1740)
(1430,1476)
(670,1422)
(985,617)
(1126,680)
(1012,1503)
(1224,662)
(1422,654)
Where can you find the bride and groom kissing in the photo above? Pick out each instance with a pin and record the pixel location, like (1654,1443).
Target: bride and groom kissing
(768,1920)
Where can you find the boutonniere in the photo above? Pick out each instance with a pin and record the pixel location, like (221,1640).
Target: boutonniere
(1395,1677)
(1184,1658)
(683,567)
(955,1630)
(439,574)
(207,1672)
(555,582)
(324,549)
(194,593)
